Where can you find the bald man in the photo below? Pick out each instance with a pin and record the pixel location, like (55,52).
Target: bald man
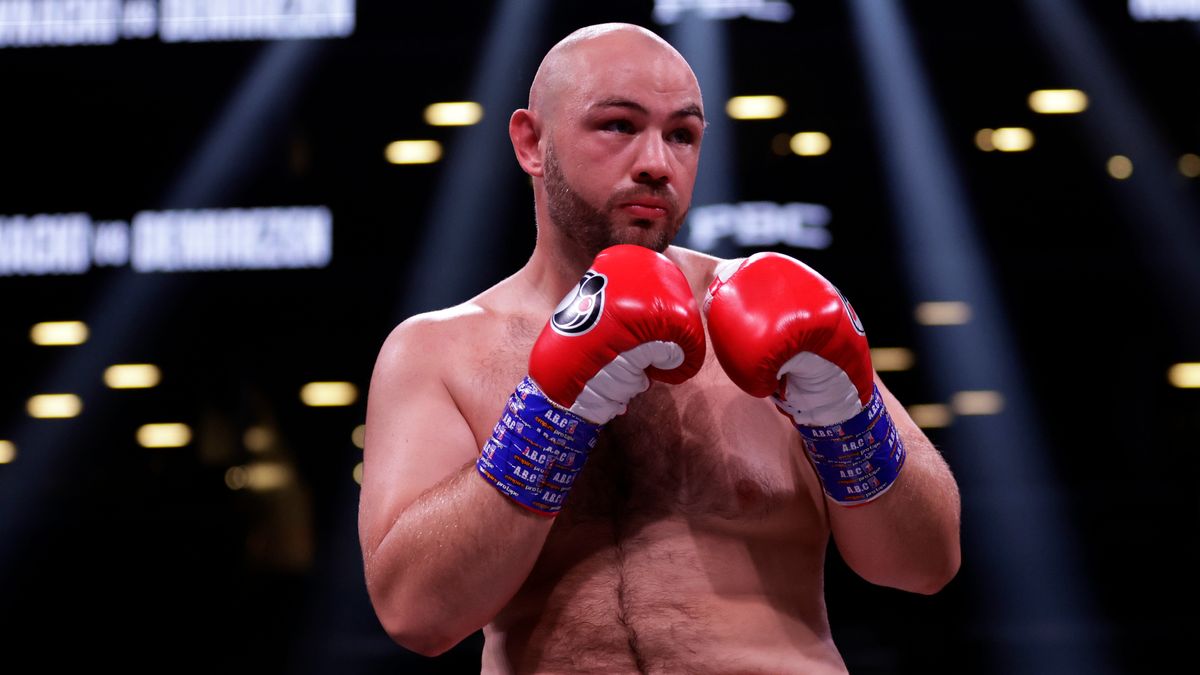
(694,538)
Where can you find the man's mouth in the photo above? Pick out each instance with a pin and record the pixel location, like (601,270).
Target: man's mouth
(646,209)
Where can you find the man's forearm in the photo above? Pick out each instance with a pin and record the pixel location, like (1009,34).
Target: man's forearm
(451,560)
(908,538)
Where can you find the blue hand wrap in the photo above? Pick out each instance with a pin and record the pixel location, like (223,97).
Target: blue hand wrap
(859,459)
(536,450)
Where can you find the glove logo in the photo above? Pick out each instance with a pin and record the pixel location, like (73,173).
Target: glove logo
(854,320)
(580,310)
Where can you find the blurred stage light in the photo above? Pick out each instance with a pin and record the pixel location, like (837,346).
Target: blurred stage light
(1012,139)
(809,143)
(8,452)
(54,406)
(258,438)
(891,359)
(947,313)
(453,114)
(413,152)
(983,140)
(1185,375)
(1119,167)
(259,476)
(930,415)
(358,473)
(327,394)
(132,376)
(264,476)
(235,477)
(1058,101)
(1189,165)
(980,402)
(755,107)
(359,436)
(53,333)
(164,435)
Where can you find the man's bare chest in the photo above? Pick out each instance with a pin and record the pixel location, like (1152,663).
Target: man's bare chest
(701,448)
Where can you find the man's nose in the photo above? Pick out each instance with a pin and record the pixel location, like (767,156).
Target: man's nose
(653,162)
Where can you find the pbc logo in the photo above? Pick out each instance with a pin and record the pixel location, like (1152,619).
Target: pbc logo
(854,320)
(580,311)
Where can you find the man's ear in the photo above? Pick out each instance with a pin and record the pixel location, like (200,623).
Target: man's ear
(524,131)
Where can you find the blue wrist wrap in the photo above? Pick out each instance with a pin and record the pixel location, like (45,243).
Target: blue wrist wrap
(859,459)
(536,450)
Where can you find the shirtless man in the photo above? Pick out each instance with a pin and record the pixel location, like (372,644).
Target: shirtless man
(694,537)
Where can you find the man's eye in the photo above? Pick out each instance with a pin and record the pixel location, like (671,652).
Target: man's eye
(619,126)
(682,136)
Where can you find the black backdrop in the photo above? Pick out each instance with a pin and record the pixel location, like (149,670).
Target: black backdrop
(114,554)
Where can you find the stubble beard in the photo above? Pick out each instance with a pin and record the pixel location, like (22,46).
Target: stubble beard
(591,229)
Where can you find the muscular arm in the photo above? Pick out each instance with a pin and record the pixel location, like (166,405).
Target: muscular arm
(908,538)
(443,551)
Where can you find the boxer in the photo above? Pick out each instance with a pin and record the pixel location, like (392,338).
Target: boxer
(588,461)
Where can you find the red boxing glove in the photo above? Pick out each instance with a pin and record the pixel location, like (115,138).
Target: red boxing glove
(778,327)
(631,318)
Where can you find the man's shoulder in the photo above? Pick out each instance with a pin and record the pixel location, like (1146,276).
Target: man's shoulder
(433,337)
(440,324)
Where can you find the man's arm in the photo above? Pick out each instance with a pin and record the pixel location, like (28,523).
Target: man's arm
(782,330)
(908,538)
(443,550)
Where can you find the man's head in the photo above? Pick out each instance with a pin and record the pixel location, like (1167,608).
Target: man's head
(612,138)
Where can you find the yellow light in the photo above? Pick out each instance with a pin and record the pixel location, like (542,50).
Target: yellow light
(981,402)
(1058,101)
(453,114)
(8,452)
(259,476)
(983,140)
(132,376)
(258,439)
(358,473)
(413,152)
(755,107)
(1189,165)
(324,394)
(1185,375)
(930,415)
(50,333)
(235,477)
(1012,139)
(809,143)
(943,313)
(54,406)
(891,358)
(165,435)
(1119,167)
(359,436)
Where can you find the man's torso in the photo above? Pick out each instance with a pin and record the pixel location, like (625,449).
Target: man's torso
(693,541)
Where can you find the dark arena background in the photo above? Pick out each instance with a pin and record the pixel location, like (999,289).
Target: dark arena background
(212,213)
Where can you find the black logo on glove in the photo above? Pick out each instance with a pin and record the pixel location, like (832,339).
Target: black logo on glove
(851,314)
(580,311)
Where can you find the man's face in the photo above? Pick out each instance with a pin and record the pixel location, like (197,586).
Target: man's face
(620,163)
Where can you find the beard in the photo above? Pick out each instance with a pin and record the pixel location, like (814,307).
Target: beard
(594,229)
